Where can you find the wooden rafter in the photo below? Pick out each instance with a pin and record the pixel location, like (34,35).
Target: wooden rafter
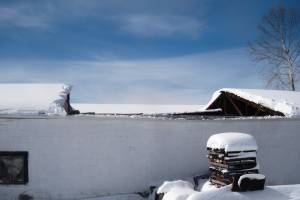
(219,103)
(235,106)
(255,105)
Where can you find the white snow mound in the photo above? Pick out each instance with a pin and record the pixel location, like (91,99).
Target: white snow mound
(178,190)
(281,192)
(232,141)
(208,186)
(33,99)
(168,185)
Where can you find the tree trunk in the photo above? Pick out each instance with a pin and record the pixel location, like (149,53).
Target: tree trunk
(293,84)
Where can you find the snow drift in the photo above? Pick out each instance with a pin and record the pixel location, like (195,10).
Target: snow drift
(33,99)
(178,191)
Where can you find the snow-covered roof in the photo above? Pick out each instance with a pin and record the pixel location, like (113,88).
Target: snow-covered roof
(33,98)
(286,102)
(232,141)
(136,108)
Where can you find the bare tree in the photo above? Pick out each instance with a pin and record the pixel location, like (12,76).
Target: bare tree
(278,46)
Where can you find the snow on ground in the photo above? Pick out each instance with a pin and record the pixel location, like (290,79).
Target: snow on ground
(136,108)
(280,192)
(176,190)
(232,141)
(119,197)
(33,99)
(167,186)
(287,102)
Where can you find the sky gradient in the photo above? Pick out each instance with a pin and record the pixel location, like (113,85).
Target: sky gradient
(134,51)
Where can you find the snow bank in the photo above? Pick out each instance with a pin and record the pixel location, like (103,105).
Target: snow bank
(286,192)
(136,108)
(168,185)
(33,99)
(287,102)
(178,190)
(118,197)
(282,192)
(232,141)
(208,186)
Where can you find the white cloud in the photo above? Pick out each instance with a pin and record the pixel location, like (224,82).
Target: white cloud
(162,25)
(187,79)
(23,16)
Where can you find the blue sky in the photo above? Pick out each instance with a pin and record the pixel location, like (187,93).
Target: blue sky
(134,51)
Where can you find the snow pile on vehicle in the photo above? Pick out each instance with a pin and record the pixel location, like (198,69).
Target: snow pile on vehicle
(286,102)
(33,99)
(282,192)
(232,141)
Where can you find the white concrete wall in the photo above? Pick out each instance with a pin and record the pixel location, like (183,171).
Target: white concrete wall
(77,157)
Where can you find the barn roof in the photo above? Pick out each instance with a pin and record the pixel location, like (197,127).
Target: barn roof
(50,99)
(286,102)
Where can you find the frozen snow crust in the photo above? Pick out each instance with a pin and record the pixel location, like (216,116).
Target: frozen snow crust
(287,102)
(232,141)
(33,99)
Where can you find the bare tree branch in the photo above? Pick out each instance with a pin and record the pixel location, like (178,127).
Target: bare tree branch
(278,46)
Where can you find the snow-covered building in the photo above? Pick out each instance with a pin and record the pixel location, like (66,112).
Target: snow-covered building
(252,102)
(224,102)
(33,99)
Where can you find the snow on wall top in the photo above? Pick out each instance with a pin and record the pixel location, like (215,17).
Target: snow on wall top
(136,108)
(33,98)
(287,102)
(232,141)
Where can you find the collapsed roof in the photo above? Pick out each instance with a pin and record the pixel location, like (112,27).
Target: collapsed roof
(32,99)
(252,102)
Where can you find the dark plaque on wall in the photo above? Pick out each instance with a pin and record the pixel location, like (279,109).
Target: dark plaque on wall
(13,167)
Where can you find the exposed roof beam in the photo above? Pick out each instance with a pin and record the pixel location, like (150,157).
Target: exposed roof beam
(235,106)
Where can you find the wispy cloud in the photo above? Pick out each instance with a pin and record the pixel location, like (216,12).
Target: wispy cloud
(23,16)
(187,79)
(162,25)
